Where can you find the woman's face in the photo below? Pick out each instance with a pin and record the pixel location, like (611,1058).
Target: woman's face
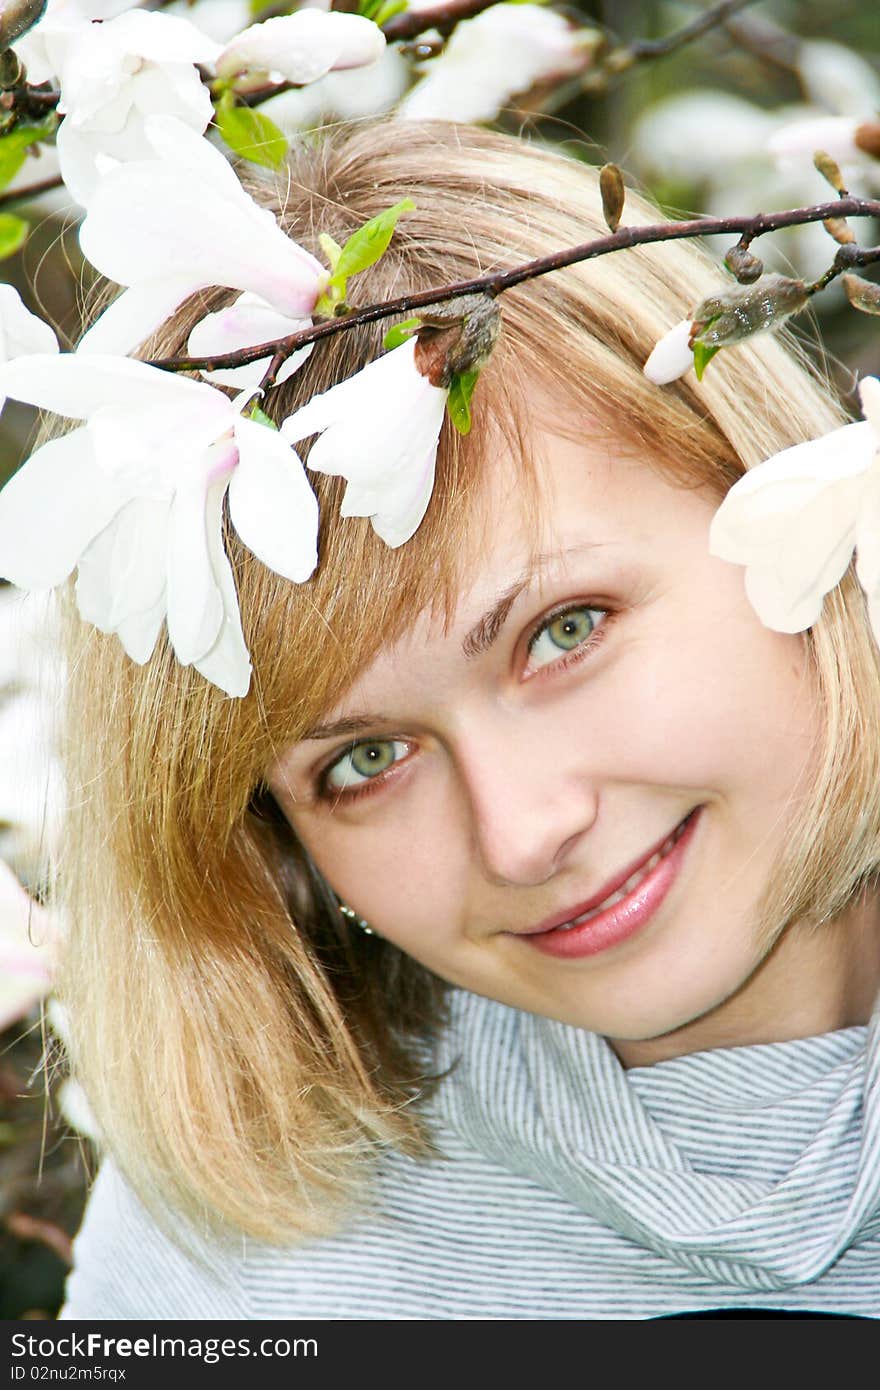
(608,737)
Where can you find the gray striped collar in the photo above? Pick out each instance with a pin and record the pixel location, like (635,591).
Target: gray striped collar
(753,1166)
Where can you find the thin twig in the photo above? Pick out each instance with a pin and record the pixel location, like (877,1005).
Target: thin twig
(443,16)
(642,49)
(496,282)
(22,195)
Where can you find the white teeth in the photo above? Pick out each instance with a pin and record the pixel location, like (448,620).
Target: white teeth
(632,882)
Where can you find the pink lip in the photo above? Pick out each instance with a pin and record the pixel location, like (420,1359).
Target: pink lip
(622,920)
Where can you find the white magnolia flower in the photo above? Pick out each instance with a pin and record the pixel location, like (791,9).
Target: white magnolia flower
(672,356)
(21,331)
(44,47)
(345,95)
(133,499)
(219,19)
(30,779)
(835,77)
(379,430)
(795,519)
(250,320)
(116,74)
(500,53)
(178,223)
(302,47)
(845,138)
(25,961)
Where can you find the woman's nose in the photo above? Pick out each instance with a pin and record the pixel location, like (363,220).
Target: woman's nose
(529,805)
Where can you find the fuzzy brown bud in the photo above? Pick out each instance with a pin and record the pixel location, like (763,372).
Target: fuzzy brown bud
(613,194)
(863,295)
(867,138)
(456,335)
(11,69)
(17,16)
(743,265)
(830,171)
(738,313)
(840,230)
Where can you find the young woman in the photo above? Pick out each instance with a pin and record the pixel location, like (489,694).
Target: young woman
(510,951)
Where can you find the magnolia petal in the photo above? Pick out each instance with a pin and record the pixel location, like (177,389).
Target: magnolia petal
(148,447)
(374,423)
(869,394)
(795,142)
(195,603)
(135,314)
(21,331)
(122,573)
(867,537)
(672,356)
(78,386)
(774,605)
(139,632)
(217,236)
(227,664)
(304,46)
(77,161)
(51,509)
(119,131)
(396,525)
(247,322)
(162,38)
(272,505)
(503,51)
(786,587)
(761,508)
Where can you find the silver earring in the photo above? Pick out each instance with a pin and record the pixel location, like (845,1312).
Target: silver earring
(350,914)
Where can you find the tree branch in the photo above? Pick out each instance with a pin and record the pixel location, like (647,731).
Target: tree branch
(21,195)
(496,282)
(642,49)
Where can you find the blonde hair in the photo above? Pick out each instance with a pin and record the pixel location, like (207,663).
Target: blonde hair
(244,1053)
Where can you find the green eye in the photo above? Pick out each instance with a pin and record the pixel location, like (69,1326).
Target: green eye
(363,762)
(563,633)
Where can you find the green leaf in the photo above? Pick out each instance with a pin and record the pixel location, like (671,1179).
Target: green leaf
(367,8)
(365,246)
(703,355)
(250,134)
(260,417)
(332,250)
(401,332)
(458,402)
(15,145)
(13,233)
(388,11)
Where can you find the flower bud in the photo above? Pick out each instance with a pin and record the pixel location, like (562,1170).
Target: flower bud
(11,69)
(613,194)
(456,336)
(830,170)
(17,16)
(862,294)
(840,230)
(736,314)
(867,138)
(743,265)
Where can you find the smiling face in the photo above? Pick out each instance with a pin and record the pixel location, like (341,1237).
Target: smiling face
(573,798)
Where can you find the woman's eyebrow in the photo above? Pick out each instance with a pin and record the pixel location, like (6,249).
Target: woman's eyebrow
(349,724)
(486,631)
